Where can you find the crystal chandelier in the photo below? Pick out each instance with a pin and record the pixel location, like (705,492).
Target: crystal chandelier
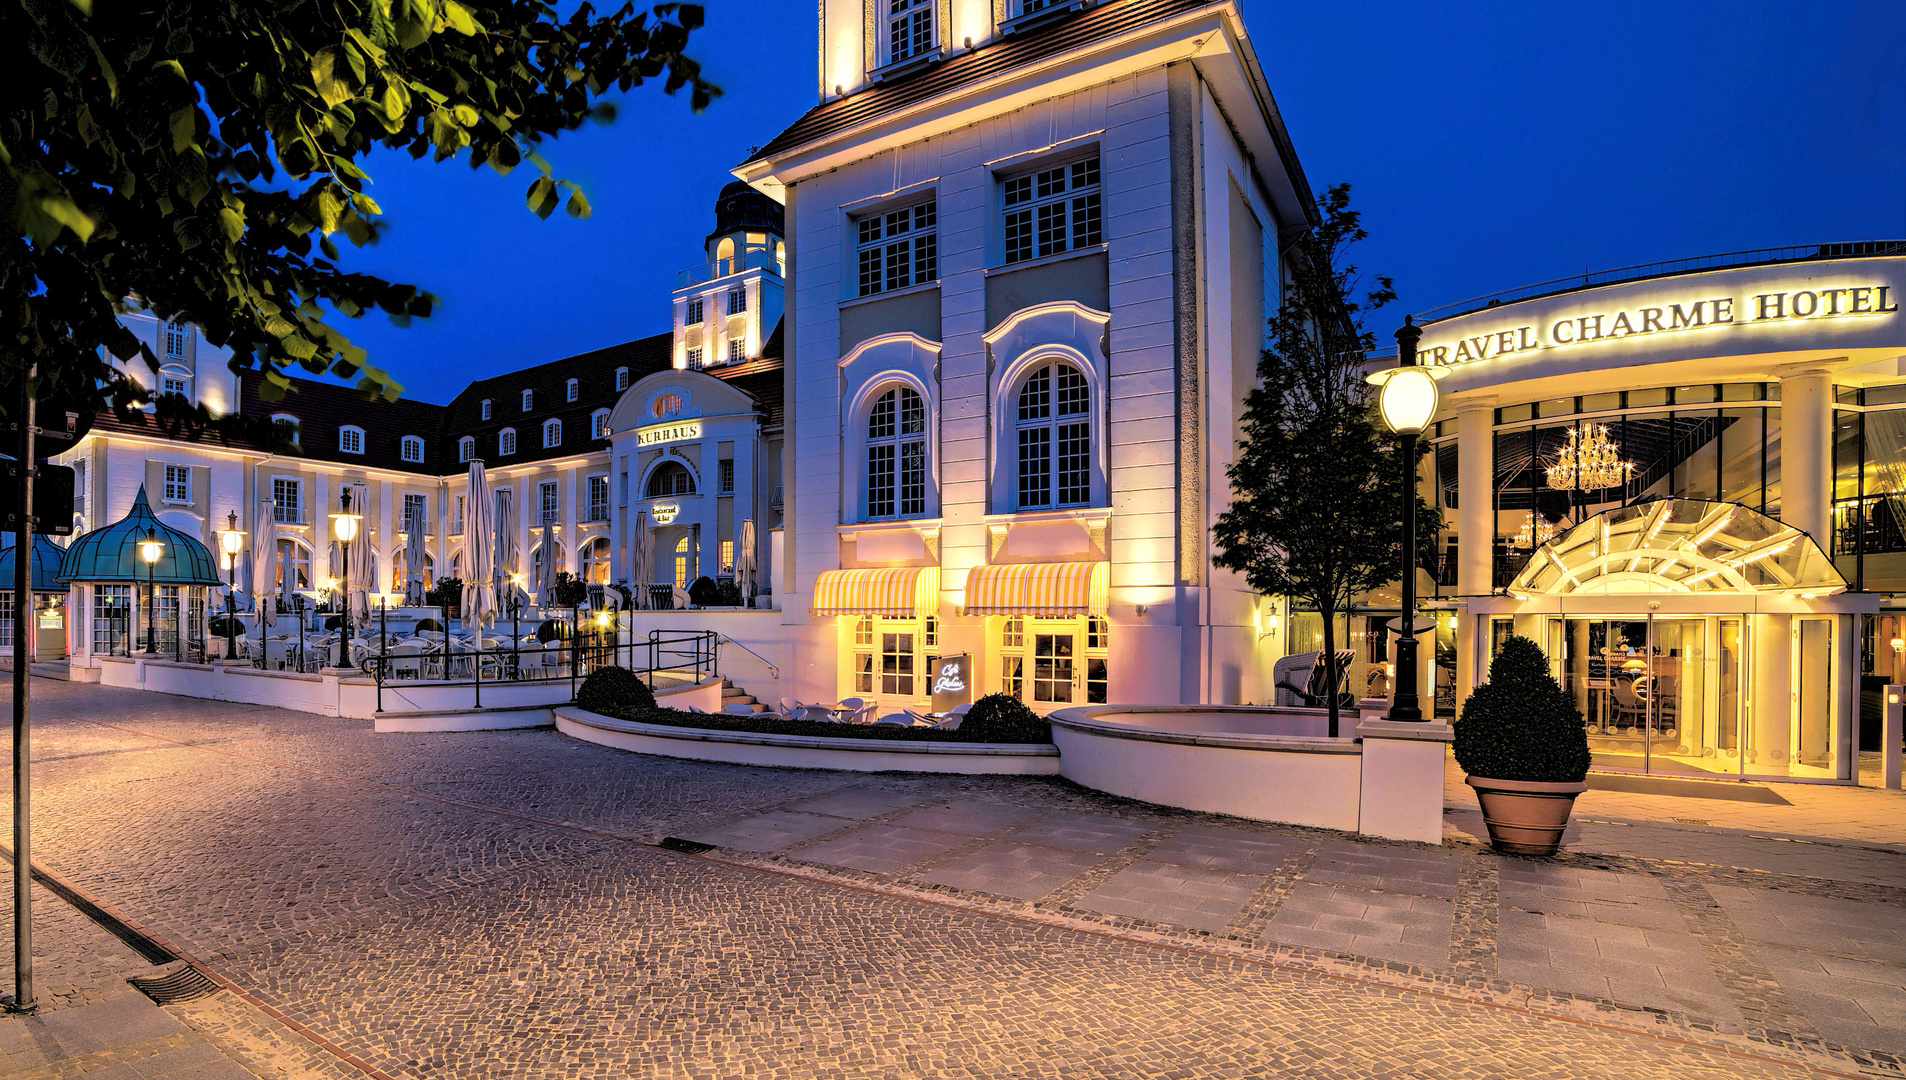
(1535,532)
(1589,461)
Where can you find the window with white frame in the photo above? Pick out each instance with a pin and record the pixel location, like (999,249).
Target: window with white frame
(897,455)
(621,378)
(552,433)
(173,384)
(671,478)
(287,500)
(1030,7)
(175,340)
(456,515)
(737,350)
(416,513)
(178,483)
(599,497)
(506,441)
(413,449)
(485,408)
(572,389)
(466,448)
(694,357)
(549,502)
(728,476)
(350,440)
(907,28)
(287,426)
(529,400)
(737,301)
(692,311)
(1053,210)
(898,248)
(599,423)
(1054,432)
(726,558)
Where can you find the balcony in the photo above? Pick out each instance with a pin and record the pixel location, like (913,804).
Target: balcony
(751,257)
(288,514)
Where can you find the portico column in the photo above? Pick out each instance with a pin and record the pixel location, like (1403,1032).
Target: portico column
(1475,526)
(1806,436)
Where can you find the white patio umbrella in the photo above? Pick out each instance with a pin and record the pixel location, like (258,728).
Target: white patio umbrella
(287,580)
(744,562)
(639,557)
(363,576)
(414,564)
(264,545)
(479,530)
(507,550)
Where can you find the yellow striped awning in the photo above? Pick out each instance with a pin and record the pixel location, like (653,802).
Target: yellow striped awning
(1051,590)
(906,593)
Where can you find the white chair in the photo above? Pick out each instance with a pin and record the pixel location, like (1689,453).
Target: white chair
(738,709)
(896,719)
(849,706)
(791,709)
(919,719)
(817,712)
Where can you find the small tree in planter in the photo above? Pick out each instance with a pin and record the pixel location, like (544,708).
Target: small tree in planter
(1521,740)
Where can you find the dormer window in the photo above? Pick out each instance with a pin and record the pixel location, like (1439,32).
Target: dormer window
(529,400)
(621,378)
(288,425)
(175,340)
(908,29)
(466,448)
(506,441)
(572,389)
(413,449)
(599,423)
(552,434)
(486,408)
(350,440)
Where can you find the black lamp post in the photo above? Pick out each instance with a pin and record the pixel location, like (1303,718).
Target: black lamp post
(149,551)
(344,527)
(1407,400)
(232,541)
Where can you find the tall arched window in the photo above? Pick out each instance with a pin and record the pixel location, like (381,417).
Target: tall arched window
(292,556)
(466,448)
(671,478)
(681,563)
(595,561)
(552,433)
(897,455)
(1055,438)
(506,441)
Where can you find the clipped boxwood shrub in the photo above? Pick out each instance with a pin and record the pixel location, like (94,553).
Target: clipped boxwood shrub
(1521,724)
(615,691)
(1003,718)
(552,630)
(770,724)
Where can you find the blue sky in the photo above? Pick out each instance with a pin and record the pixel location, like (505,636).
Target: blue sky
(1489,145)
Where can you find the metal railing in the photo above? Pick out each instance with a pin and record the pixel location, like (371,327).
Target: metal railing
(750,257)
(679,656)
(773,671)
(290,515)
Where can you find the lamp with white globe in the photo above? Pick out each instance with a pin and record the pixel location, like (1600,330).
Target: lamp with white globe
(1407,399)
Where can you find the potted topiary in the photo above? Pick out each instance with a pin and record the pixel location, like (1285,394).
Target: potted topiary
(1521,740)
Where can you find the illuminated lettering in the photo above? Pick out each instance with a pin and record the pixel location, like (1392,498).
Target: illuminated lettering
(1771,305)
(1723,309)
(1505,342)
(1555,332)
(667,433)
(1650,319)
(1862,301)
(1832,297)
(1529,342)
(1882,308)
(1678,319)
(1621,327)
(1582,328)
(1812,301)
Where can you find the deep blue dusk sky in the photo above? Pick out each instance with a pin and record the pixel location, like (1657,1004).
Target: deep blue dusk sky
(1489,145)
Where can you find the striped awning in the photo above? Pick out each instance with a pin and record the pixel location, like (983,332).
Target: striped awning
(1041,589)
(907,593)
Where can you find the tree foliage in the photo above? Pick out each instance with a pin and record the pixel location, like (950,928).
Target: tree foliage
(1318,508)
(201,157)
(1521,724)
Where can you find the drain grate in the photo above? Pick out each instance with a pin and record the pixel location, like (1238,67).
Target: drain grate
(186,984)
(690,847)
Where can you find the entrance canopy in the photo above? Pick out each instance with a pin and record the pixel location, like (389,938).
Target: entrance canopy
(904,593)
(1680,546)
(1050,590)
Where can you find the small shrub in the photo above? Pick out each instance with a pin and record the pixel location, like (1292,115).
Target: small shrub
(1003,718)
(569,590)
(429,624)
(1521,724)
(703,593)
(615,691)
(552,630)
(447,593)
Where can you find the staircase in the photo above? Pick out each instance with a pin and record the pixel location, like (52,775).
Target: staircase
(734,695)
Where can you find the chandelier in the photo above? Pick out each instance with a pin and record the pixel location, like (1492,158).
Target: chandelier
(1589,461)
(1535,532)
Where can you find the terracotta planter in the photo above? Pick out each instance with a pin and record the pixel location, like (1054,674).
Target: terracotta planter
(1525,817)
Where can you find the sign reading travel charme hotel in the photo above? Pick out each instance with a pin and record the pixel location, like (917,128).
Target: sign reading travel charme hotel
(1681,316)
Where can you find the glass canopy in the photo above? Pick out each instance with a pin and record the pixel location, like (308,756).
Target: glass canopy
(1680,546)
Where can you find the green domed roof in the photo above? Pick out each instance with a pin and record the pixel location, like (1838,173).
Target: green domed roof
(112,553)
(45,568)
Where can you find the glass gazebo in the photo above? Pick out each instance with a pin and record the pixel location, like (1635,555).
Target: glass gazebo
(118,612)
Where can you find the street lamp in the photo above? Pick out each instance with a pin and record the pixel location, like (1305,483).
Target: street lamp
(1406,398)
(232,541)
(344,527)
(149,550)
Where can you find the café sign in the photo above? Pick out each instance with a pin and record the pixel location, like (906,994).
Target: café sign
(661,434)
(1684,314)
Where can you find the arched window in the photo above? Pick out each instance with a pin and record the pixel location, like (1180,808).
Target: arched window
(671,478)
(400,570)
(897,455)
(681,563)
(506,441)
(724,255)
(486,408)
(572,390)
(466,448)
(350,440)
(595,561)
(288,425)
(552,433)
(413,449)
(599,423)
(292,556)
(667,404)
(621,378)
(1055,438)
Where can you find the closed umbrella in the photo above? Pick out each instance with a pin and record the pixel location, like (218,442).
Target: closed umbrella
(479,528)
(264,546)
(506,546)
(744,562)
(639,556)
(414,564)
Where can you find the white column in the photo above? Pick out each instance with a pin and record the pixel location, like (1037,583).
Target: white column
(572,529)
(386,539)
(320,509)
(1806,459)
(1475,530)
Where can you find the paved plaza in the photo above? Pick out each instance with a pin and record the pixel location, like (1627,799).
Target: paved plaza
(496,904)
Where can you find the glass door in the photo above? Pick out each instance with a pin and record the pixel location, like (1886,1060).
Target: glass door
(1052,663)
(1813,729)
(1053,676)
(1647,688)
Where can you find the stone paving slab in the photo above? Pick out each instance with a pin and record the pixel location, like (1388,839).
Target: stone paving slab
(967,818)
(856,803)
(1423,871)
(1004,868)
(1393,926)
(1083,832)
(881,849)
(1216,847)
(1175,894)
(1842,962)
(766,832)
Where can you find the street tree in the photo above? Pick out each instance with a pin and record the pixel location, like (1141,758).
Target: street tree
(202,157)
(1317,513)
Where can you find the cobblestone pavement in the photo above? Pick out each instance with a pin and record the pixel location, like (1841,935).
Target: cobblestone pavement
(490,904)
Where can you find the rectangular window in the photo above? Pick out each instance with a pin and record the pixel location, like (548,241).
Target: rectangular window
(486,408)
(112,614)
(573,389)
(1052,667)
(175,340)
(1075,463)
(1035,467)
(896,664)
(909,29)
(178,483)
(598,498)
(506,441)
(1053,210)
(466,446)
(287,501)
(898,248)
(737,349)
(416,514)
(173,384)
(692,312)
(529,400)
(456,518)
(737,301)
(727,556)
(350,440)
(728,476)
(694,357)
(880,463)
(863,672)
(621,378)
(548,496)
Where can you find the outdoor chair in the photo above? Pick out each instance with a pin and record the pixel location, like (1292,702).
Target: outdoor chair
(919,719)
(738,709)
(850,706)
(896,719)
(816,712)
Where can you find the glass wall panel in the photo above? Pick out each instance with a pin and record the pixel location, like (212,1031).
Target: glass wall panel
(1701,434)
(1740,448)
(1771,440)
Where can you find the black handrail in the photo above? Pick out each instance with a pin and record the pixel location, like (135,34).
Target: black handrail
(694,653)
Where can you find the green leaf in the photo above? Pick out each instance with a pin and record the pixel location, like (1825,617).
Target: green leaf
(542,196)
(578,206)
(62,209)
(465,115)
(232,224)
(396,100)
(459,18)
(184,128)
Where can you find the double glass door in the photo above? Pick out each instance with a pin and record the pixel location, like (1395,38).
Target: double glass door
(1052,663)
(1657,694)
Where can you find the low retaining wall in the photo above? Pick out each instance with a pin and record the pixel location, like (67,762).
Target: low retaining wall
(1263,764)
(808,751)
(516,705)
